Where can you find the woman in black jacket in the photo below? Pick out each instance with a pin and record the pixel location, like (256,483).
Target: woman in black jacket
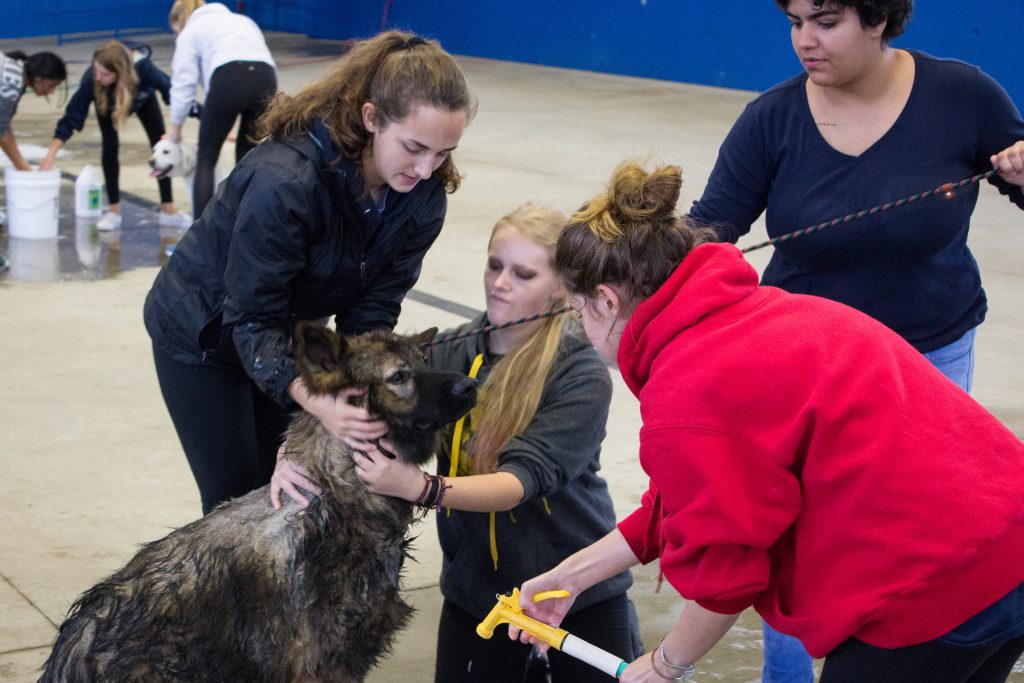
(121,82)
(331,215)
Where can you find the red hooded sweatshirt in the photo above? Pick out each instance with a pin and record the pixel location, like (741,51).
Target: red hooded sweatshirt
(806,460)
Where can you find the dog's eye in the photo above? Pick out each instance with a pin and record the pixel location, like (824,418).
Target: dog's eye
(399,377)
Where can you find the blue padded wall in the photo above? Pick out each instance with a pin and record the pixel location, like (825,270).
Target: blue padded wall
(729,44)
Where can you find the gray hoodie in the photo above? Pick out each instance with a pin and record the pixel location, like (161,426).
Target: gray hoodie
(566,505)
(12,87)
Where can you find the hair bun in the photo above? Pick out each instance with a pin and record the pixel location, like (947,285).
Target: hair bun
(634,194)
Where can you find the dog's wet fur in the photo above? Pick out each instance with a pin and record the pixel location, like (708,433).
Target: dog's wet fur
(248,593)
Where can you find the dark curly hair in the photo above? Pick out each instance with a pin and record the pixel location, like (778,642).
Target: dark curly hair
(872,13)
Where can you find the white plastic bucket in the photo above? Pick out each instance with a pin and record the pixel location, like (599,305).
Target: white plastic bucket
(33,203)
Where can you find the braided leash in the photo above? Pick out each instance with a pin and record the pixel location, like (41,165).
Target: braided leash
(947,190)
(497,326)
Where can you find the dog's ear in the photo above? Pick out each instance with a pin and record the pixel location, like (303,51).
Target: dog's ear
(425,337)
(317,349)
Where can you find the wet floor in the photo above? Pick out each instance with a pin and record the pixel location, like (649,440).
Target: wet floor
(80,251)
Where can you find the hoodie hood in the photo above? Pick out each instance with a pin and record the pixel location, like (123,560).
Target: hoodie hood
(712,278)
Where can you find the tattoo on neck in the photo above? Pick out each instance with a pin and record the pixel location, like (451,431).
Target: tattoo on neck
(831,124)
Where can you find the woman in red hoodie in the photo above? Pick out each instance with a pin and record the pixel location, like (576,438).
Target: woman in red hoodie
(804,460)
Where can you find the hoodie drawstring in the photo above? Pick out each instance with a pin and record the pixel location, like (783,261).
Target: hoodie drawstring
(457,433)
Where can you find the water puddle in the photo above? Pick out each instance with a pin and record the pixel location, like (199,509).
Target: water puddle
(80,251)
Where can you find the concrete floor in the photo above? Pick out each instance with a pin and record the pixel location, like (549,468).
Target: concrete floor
(91,466)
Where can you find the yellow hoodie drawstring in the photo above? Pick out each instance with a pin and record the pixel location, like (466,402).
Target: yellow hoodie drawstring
(474,369)
(454,468)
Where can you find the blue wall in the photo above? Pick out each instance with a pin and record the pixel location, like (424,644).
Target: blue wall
(62,17)
(732,44)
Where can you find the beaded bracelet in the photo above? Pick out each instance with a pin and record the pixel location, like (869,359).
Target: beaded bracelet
(434,488)
(431,497)
(423,494)
(442,489)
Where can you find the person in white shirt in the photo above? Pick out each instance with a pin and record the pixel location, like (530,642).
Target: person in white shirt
(227,54)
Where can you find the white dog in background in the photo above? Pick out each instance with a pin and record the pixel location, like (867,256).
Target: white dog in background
(178,160)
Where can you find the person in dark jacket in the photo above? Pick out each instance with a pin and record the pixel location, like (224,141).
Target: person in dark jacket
(331,214)
(522,471)
(121,82)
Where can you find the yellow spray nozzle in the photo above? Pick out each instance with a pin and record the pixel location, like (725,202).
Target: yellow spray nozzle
(508,611)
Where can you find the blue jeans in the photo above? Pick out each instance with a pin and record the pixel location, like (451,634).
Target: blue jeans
(785,659)
(956,360)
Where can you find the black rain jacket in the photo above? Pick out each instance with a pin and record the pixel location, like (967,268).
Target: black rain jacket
(287,238)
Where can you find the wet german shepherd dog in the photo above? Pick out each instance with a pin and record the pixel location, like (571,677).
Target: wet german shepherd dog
(248,593)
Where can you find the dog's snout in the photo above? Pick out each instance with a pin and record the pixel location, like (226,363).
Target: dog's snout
(465,387)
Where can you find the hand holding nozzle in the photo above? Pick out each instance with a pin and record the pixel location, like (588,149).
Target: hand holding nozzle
(508,611)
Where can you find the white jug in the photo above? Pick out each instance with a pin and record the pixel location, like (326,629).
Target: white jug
(88,194)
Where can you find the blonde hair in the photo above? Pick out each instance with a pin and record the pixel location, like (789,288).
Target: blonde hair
(181,10)
(510,396)
(114,56)
(394,71)
(629,235)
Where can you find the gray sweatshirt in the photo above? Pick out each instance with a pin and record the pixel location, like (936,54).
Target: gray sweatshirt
(12,87)
(566,505)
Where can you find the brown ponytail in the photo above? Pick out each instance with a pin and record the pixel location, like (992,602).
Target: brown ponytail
(394,71)
(628,235)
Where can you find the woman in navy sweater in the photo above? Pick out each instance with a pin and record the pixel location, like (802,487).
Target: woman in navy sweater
(865,124)
(121,84)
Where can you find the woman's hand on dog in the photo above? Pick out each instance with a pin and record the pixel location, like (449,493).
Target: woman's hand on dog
(388,476)
(353,424)
(288,477)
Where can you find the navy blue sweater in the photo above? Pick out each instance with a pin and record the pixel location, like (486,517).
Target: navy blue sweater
(908,267)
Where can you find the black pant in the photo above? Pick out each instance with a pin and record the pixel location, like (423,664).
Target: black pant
(236,89)
(153,121)
(931,662)
(983,649)
(462,655)
(229,429)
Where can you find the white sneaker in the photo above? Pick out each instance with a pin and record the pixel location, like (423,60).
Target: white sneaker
(109,221)
(178,219)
